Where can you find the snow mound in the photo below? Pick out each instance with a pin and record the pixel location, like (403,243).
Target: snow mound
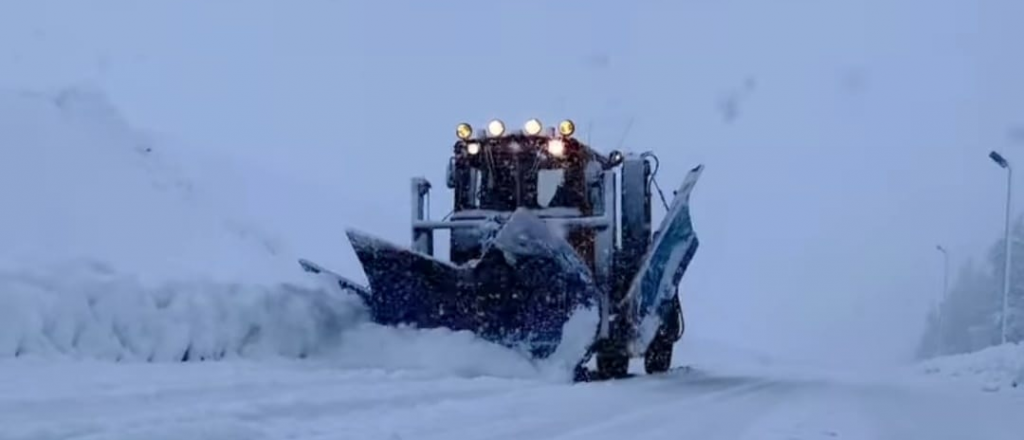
(992,369)
(89,311)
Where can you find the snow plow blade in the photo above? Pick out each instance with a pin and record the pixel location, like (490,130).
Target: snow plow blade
(663,266)
(528,291)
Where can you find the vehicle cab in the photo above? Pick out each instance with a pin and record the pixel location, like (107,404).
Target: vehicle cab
(532,168)
(572,187)
(548,171)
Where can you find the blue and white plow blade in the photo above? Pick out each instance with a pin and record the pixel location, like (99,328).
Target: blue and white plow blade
(663,266)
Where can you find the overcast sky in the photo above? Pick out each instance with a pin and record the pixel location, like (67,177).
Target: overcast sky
(843,140)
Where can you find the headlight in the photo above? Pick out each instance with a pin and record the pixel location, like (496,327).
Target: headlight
(472,148)
(533,127)
(496,128)
(567,127)
(464,131)
(556,147)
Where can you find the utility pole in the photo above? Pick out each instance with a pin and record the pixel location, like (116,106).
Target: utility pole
(1002,162)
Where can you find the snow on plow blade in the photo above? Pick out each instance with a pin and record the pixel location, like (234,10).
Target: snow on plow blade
(528,290)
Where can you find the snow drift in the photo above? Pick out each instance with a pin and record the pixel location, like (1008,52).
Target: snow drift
(90,310)
(109,250)
(991,369)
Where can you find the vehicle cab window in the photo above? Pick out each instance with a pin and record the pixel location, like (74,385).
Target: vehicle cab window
(549,183)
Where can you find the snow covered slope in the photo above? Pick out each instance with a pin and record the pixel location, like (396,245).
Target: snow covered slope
(78,183)
(111,250)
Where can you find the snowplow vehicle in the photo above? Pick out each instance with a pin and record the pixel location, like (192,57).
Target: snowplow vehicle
(551,252)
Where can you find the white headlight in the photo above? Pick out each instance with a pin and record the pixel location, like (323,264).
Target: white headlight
(472,148)
(496,128)
(533,127)
(556,147)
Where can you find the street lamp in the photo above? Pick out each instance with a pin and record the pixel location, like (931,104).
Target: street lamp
(941,309)
(1001,161)
(945,271)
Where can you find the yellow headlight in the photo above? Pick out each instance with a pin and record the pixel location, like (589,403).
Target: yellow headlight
(464,131)
(533,127)
(567,127)
(496,128)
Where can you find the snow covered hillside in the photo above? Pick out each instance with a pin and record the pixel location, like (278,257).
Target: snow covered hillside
(79,184)
(111,250)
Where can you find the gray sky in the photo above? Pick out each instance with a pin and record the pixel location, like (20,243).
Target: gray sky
(843,140)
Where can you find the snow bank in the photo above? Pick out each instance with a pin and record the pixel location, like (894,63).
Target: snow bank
(992,369)
(88,310)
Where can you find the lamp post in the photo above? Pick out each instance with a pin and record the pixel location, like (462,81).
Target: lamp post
(942,302)
(945,271)
(1001,161)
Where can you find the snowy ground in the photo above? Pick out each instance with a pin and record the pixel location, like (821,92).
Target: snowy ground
(314,399)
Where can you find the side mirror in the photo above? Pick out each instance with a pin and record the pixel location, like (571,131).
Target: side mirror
(615,158)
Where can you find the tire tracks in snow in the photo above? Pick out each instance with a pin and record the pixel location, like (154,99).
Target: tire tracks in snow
(586,410)
(732,408)
(139,406)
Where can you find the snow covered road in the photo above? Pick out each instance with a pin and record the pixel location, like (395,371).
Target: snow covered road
(313,400)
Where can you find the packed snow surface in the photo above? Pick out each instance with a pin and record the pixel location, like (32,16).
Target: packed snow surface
(281,399)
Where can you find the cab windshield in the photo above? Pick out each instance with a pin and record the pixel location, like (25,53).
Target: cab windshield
(523,183)
(548,184)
